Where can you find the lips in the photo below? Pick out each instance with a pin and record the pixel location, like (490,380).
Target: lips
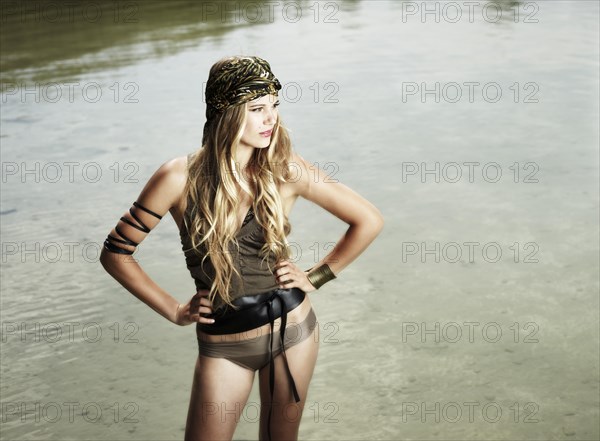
(267,133)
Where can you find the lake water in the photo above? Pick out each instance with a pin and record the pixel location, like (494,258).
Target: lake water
(473,128)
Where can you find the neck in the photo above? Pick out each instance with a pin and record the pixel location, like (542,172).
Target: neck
(243,156)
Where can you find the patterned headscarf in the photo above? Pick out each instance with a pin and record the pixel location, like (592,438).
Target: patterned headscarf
(239,81)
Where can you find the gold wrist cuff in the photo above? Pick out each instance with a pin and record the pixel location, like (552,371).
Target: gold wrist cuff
(320,276)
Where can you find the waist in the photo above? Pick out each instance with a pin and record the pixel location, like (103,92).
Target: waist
(253,311)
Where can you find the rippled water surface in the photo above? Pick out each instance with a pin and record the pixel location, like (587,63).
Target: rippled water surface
(476,136)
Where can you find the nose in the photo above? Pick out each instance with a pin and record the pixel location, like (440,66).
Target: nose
(271,116)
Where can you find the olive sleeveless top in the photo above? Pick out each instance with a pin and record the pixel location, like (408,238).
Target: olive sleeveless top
(256,277)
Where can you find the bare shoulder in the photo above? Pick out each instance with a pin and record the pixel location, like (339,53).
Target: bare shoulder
(161,194)
(290,190)
(163,191)
(176,168)
(173,175)
(299,167)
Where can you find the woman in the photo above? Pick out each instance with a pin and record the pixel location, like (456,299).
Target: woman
(231,201)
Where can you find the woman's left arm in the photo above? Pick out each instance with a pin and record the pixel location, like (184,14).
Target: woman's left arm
(364,219)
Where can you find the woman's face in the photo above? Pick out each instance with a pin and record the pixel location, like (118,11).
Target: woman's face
(261,116)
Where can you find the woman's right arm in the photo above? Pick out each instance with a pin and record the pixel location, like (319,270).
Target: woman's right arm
(162,192)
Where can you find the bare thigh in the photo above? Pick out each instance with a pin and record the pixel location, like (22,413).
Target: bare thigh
(220,391)
(221,388)
(286,416)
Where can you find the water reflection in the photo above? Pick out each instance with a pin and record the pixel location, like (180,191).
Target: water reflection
(49,40)
(369,136)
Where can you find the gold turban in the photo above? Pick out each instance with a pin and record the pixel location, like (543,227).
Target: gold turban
(240,80)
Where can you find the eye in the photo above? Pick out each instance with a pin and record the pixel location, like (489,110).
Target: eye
(260,108)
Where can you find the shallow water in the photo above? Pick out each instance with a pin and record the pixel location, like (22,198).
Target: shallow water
(416,342)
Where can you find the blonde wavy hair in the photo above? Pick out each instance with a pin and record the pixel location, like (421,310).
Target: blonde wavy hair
(211,191)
